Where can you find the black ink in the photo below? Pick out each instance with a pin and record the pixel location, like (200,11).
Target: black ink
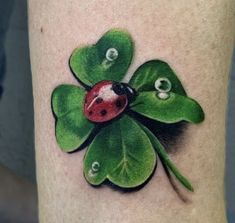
(103,112)
(119,104)
(99,100)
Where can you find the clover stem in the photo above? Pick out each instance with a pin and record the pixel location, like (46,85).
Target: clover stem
(174,170)
(166,160)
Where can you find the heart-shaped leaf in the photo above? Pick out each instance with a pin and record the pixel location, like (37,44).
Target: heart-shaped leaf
(122,153)
(166,160)
(145,76)
(108,59)
(72,128)
(174,109)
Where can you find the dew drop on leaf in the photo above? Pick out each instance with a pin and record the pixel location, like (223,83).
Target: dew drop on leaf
(95,166)
(163,84)
(111,54)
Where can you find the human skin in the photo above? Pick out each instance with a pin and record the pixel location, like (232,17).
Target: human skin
(196,38)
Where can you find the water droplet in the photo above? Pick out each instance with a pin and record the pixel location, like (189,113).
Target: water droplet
(95,166)
(111,54)
(163,95)
(163,84)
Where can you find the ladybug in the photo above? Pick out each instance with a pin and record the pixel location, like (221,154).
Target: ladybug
(106,100)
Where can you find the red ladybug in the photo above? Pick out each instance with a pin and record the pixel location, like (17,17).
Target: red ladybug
(106,100)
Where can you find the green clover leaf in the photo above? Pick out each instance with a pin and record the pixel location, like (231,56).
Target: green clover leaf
(108,59)
(169,105)
(123,151)
(122,154)
(145,76)
(174,109)
(72,128)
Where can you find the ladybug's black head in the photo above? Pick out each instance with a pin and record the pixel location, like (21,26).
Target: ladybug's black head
(124,89)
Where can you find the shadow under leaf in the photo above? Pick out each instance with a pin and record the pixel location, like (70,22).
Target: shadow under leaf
(168,134)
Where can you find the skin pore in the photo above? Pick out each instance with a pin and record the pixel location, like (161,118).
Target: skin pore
(195,38)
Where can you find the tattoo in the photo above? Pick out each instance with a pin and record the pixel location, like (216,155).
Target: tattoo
(108,115)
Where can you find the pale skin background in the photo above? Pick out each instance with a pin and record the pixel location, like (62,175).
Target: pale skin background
(196,39)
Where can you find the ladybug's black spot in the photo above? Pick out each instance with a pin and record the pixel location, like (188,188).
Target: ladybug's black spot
(119,104)
(103,112)
(90,112)
(99,100)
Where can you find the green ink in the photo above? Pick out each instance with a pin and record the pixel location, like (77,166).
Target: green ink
(121,149)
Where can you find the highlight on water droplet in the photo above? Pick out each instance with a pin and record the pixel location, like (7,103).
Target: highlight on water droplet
(163,95)
(111,54)
(163,84)
(91,173)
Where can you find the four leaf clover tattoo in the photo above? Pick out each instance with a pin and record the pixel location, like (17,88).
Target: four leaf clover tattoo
(101,114)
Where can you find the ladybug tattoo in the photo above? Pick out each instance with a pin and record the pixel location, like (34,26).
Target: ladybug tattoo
(106,100)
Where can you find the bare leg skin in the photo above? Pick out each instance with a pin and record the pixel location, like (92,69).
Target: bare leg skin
(196,39)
